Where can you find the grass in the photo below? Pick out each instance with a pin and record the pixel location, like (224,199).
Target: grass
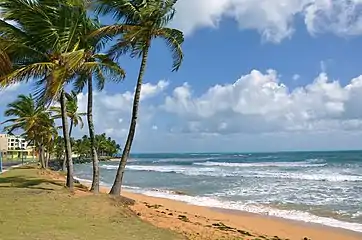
(32,206)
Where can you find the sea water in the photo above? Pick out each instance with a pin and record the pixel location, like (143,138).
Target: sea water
(316,187)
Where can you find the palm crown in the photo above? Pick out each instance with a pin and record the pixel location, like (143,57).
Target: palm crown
(139,23)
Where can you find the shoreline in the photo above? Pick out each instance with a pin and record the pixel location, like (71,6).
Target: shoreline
(201,222)
(318,226)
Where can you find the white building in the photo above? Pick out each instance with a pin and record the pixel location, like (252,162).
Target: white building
(15,145)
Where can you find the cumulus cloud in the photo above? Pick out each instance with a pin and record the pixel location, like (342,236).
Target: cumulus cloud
(273,19)
(112,111)
(261,103)
(320,115)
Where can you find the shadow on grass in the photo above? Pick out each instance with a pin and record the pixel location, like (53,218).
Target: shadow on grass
(26,182)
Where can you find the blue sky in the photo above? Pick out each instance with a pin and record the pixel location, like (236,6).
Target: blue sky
(278,75)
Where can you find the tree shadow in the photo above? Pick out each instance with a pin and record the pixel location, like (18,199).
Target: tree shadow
(26,182)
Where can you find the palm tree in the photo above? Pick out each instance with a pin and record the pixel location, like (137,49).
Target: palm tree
(101,143)
(73,114)
(105,68)
(34,121)
(44,45)
(141,21)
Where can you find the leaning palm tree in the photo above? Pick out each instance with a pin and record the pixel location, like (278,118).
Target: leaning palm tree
(44,46)
(34,122)
(140,21)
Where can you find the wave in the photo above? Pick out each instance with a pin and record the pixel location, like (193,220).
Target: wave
(109,167)
(241,206)
(183,160)
(215,171)
(83,180)
(259,209)
(327,177)
(315,160)
(261,164)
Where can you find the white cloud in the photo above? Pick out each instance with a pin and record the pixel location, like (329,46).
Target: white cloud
(273,19)
(112,111)
(239,116)
(260,103)
(149,90)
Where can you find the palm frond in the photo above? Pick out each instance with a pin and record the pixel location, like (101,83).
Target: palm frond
(26,73)
(174,39)
(121,10)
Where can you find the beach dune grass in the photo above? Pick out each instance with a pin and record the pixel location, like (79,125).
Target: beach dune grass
(33,206)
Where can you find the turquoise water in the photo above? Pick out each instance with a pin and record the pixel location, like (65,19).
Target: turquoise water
(318,187)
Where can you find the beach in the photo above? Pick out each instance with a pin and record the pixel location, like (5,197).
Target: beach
(292,195)
(197,222)
(310,187)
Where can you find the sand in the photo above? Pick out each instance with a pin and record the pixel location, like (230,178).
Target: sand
(205,223)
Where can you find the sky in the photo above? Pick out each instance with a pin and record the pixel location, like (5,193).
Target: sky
(267,75)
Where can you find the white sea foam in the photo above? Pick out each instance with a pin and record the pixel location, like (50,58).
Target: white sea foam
(183,159)
(236,205)
(190,171)
(261,164)
(329,177)
(82,180)
(109,167)
(87,181)
(216,171)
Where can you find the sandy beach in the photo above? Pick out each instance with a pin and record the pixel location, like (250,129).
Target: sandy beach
(197,222)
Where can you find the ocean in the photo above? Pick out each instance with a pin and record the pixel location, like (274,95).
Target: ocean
(315,187)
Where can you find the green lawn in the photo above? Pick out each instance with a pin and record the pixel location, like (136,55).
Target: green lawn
(34,207)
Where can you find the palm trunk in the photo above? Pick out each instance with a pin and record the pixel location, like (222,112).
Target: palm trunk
(68,148)
(71,128)
(116,188)
(41,156)
(64,167)
(95,181)
(47,159)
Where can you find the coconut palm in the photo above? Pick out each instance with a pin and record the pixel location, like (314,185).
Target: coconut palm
(104,68)
(44,45)
(140,21)
(34,121)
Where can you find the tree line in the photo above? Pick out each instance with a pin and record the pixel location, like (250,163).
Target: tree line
(59,45)
(106,148)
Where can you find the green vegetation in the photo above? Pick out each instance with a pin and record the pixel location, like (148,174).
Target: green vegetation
(106,149)
(34,207)
(36,123)
(56,44)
